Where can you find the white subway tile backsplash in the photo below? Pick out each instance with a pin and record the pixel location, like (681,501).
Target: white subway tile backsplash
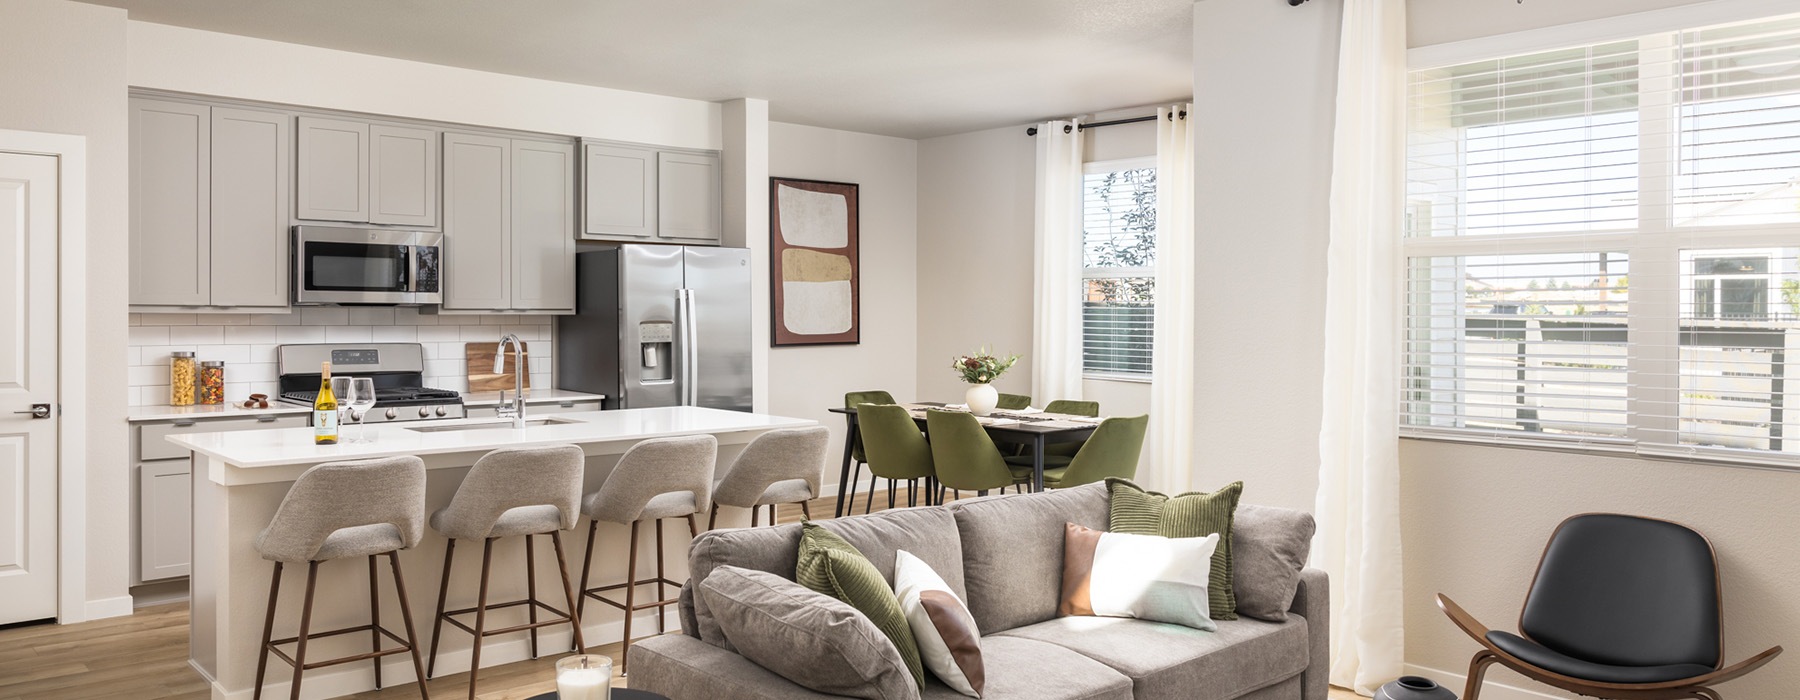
(148,335)
(325,316)
(395,334)
(349,334)
(147,375)
(480,333)
(229,354)
(291,318)
(439,334)
(196,335)
(167,319)
(250,335)
(263,353)
(372,317)
(226,319)
(300,334)
(410,316)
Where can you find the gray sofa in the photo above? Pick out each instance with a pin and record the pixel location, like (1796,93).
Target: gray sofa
(1003,554)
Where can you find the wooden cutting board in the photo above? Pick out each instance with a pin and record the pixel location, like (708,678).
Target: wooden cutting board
(481,367)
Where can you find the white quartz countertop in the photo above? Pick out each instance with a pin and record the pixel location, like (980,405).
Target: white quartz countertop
(145,414)
(294,446)
(532,397)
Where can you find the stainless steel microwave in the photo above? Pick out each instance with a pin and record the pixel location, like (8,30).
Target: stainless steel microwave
(339,265)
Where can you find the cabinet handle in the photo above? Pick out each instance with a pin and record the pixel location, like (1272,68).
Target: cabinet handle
(184,424)
(265,419)
(566,404)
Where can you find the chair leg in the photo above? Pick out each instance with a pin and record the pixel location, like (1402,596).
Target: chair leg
(587,562)
(805,512)
(912,493)
(755,516)
(531,593)
(374,620)
(262,657)
(312,578)
(712,520)
(1707,694)
(662,621)
(412,638)
(1478,667)
(693,531)
(869,502)
(890,494)
(630,595)
(437,621)
(562,568)
(487,560)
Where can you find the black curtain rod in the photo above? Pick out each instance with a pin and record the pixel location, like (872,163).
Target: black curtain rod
(1032,131)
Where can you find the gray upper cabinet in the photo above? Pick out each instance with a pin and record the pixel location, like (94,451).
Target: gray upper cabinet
(619,198)
(543,224)
(403,176)
(688,196)
(250,166)
(333,170)
(171,144)
(477,217)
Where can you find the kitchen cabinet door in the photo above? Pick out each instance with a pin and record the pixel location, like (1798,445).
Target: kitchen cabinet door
(543,226)
(403,176)
(165,520)
(618,192)
(688,197)
(333,170)
(171,145)
(250,184)
(477,223)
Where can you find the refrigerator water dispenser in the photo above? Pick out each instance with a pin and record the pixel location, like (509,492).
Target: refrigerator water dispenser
(657,339)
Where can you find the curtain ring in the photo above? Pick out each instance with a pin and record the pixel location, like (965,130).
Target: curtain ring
(1067,128)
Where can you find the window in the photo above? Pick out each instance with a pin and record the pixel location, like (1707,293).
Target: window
(1603,246)
(1118,267)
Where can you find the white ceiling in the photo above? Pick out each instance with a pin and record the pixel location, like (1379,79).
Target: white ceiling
(911,68)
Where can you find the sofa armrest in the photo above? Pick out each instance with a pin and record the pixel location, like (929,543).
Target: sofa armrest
(684,668)
(1313,602)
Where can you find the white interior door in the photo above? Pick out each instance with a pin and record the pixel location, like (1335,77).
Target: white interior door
(28,348)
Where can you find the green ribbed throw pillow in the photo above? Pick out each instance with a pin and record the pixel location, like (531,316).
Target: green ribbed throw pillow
(836,568)
(1139,512)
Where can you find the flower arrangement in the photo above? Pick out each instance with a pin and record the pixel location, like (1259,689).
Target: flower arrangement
(982,367)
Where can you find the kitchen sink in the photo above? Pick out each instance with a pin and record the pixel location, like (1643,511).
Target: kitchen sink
(496,424)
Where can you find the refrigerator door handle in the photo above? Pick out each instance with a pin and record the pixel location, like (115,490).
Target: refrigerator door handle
(689,342)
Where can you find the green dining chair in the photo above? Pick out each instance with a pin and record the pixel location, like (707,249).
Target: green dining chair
(1113,450)
(1013,402)
(853,399)
(895,449)
(966,458)
(1090,409)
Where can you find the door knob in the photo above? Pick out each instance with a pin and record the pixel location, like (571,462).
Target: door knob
(38,411)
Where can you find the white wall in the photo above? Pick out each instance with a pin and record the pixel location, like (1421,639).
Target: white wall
(806,381)
(64,72)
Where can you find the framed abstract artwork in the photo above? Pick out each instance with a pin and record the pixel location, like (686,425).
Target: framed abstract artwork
(815,270)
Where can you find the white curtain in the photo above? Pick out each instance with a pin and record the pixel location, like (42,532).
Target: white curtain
(1056,369)
(1358,541)
(1172,355)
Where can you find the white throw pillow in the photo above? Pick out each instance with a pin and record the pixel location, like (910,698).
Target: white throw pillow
(949,642)
(1111,574)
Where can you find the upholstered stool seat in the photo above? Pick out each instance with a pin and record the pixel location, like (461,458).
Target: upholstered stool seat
(779,466)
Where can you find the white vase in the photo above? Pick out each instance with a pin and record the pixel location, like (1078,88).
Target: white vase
(982,398)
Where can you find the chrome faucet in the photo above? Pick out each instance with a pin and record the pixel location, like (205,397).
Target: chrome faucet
(517,410)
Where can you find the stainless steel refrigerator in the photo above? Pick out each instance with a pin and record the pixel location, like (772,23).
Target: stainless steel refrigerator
(659,325)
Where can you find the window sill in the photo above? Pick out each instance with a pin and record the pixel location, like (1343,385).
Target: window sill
(1125,378)
(1718,457)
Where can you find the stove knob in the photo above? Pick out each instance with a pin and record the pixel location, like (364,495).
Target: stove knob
(440,411)
(424,412)
(392,414)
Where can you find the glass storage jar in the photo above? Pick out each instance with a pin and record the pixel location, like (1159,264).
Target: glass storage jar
(212,382)
(182,377)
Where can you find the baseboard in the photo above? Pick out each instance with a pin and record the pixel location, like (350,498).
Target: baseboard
(160,593)
(1489,689)
(107,607)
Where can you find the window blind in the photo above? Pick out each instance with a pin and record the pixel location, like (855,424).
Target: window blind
(1603,246)
(1118,268)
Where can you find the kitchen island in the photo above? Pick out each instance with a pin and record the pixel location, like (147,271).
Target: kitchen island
(240,479)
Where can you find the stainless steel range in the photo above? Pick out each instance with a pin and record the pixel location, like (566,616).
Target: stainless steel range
(397,368)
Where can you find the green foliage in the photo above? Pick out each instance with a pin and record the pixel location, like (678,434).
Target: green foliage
(1135,249)
(982,367)
(1790,293)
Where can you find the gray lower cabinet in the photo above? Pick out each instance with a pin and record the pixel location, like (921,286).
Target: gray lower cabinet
(632,192)
(209,206)
(508,225)
(164,489)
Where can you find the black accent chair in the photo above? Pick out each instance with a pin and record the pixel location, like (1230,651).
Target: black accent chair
(1624,608)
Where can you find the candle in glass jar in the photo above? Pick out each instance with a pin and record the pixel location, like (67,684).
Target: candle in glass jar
(584,677)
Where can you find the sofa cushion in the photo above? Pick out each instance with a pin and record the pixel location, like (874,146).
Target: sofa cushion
(1028,669)
(1269,547)
(1193,514)
(1171,661)
(829,565)
(806,637)
(1012,549)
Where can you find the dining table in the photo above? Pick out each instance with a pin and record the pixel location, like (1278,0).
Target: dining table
(1036,429)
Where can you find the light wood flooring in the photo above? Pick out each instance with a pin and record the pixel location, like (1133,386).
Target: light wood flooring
(144,657)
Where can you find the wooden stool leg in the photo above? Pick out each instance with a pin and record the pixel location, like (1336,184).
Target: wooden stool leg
(755,516)
(374,620)
(804,511)
(412,638)
(662,621)
(531,593)
(630,594)
(487,559)
(562,567)
(312,578)
(693,531)
(437,621)
(772,514)
(262,657)
(712,521)
(587,563)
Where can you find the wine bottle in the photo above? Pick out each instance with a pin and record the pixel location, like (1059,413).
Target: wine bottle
(325,410)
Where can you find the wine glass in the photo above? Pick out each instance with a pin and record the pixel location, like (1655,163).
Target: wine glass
(362,399)
(343,389)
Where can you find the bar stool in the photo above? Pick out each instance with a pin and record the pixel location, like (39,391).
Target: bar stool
(339,510)
(508,493)
(779,466)
(655,480)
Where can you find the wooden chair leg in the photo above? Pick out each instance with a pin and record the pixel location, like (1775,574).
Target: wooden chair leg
(562,568)
(374,620)
(662,621)
(262,657)
(805,512)
(693,532)
(772,520)
(587,563)
(487,560)
(437,621)
(312,579)
(531,593)
(1478,667)
(712,520)
(630,595)
(412,638)
(1707,694)
(755,516)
